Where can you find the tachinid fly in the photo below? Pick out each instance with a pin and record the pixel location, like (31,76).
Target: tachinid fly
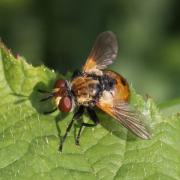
(96,87)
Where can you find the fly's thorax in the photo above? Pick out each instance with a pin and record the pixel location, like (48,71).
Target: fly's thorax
(84,89)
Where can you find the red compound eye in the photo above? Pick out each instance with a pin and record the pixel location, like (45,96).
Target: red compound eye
(65,104)
(60,87)
(60,83)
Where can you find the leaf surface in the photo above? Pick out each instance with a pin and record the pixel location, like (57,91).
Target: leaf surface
(29,140)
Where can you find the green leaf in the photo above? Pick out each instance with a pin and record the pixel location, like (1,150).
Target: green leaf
(170,107)
(29,140)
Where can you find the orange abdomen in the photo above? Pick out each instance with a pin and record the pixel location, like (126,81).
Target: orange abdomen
(121,87)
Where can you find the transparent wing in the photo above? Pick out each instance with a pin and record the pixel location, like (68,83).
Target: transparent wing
(128,117)
(103,53)
(131,119)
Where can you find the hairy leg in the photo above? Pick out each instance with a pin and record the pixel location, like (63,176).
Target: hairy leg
(77,115)
(93,117)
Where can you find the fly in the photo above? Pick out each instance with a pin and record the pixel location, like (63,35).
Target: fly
(94,86)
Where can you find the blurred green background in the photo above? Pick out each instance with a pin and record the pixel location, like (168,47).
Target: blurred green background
(60,34)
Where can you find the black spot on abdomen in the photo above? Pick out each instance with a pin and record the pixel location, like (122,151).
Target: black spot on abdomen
(123,81)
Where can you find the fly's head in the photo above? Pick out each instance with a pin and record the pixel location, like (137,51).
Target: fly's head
(62,96)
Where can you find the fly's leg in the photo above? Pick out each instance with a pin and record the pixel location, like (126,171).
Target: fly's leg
(93,117)
(49,112)
(79,134)
(50,95)
(65,135)
(46,98)
(77,115)
(43,91)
